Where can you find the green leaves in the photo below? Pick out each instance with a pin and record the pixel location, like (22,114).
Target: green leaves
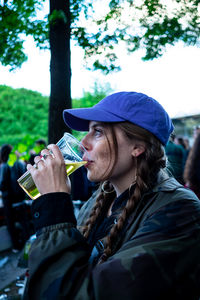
(21,150)
(166,23)
(57,16)
(22,113)
(17,20)
(150,25)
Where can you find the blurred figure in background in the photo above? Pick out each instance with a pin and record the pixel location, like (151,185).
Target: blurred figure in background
(187,146)
(5,187)
(40,144)
(180,142)
(196,131)
(175,159)
(12,197)
(17,170)
(18,201)
(192,168)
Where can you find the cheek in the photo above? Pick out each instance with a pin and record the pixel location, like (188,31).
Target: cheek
(102,153)
(124,164)
(102,166)
(105,160)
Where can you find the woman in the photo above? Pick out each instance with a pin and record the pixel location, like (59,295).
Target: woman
(192,167)
(138,237)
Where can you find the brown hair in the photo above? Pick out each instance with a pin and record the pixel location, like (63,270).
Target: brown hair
(147,164)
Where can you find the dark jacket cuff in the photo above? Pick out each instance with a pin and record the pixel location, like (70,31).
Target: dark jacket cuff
(51,209)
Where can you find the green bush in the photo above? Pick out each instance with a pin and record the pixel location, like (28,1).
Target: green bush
(24,115)
(22,112)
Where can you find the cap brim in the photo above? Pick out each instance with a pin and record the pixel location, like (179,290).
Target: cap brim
(78,119)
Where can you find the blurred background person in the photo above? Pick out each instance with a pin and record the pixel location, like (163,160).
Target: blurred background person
(40,144)
(187,146)
(196,131)
(179,140)
(12,197)
(192,167)
(175,159)
(5,187)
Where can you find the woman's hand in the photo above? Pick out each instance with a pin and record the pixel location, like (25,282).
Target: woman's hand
(50,174)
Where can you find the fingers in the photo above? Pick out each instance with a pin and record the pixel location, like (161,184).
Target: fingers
(46,156)
(29,166)
(49,171)
(55,151)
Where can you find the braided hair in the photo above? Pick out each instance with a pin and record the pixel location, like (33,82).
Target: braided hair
(147,167)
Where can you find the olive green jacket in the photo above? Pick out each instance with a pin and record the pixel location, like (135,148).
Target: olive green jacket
(157,257)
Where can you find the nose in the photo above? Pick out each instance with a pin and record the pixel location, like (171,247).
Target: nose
(85,142)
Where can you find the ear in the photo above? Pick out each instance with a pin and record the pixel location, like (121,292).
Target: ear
(138,149)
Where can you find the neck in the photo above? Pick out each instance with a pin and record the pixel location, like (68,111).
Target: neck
(121,186)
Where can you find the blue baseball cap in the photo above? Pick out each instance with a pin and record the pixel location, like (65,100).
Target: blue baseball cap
(134,107)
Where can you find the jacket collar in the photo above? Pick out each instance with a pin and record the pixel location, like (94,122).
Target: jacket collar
(165,182)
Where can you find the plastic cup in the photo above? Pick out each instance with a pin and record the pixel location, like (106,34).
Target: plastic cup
(72,151)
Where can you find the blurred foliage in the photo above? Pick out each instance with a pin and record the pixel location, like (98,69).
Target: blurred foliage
(22,112)
(18,20)
(91,98)
(24,117)
(149,24)
(22,150)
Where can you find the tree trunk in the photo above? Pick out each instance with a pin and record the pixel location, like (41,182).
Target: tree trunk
(60,95)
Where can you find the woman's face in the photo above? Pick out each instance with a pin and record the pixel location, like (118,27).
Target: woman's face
(102,156)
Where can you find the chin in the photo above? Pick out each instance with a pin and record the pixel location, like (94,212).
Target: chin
(93,178)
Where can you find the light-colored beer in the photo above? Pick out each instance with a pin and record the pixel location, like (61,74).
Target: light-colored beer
(73,166)
(27,184)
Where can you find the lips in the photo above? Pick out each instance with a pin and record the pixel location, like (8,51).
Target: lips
(89,162)
(86,157)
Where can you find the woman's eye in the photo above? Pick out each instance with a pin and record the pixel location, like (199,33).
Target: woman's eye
(98,131)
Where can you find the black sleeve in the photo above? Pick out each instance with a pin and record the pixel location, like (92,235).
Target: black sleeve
(51,209)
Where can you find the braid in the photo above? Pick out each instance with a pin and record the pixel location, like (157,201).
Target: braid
(104,199)
(128,209)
